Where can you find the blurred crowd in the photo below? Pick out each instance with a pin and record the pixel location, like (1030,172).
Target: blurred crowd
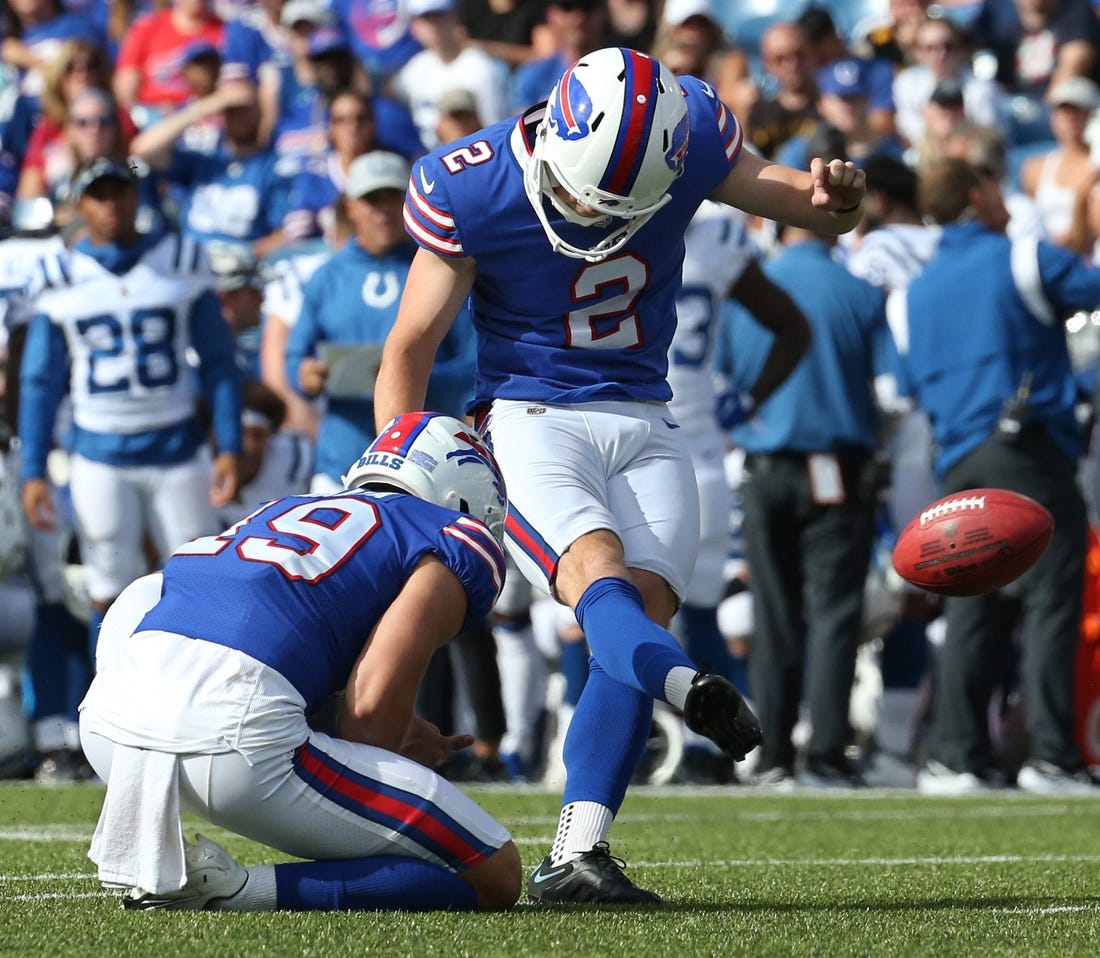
(277,136)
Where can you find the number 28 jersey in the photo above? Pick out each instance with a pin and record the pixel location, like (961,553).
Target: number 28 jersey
(549,327)
(128,335)
(300,584)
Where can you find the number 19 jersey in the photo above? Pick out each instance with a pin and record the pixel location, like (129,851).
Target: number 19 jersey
(300,584)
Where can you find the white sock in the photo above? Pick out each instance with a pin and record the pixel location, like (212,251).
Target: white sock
(677,684)
(256,894)
(580,826)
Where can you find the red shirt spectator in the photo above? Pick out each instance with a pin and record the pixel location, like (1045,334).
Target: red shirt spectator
(150,63)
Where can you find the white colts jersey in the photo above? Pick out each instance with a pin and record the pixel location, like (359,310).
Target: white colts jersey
(128,336)
(718,249)
(19,269)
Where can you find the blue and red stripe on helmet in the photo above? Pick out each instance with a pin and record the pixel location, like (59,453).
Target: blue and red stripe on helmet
(635,123)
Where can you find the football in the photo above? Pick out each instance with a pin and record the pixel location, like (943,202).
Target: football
(973,542)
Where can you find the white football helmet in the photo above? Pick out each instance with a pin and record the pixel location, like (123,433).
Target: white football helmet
(437,458)
(614,137)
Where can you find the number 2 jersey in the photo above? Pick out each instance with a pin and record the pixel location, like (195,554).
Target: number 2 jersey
(549,327)
(301,583)
(114,326)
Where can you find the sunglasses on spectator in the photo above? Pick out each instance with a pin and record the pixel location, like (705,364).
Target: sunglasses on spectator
(83,66)
(99,122)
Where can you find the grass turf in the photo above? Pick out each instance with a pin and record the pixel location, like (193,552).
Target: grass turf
(743,872)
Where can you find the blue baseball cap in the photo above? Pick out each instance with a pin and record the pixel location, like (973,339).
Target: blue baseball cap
(847,76)
(327,39)
(198,50)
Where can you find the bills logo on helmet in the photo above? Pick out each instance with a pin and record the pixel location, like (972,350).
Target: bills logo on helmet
(478,452)
(570,109)
(677,150)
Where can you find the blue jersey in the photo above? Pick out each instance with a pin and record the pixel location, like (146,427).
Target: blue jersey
(230,198)
(552,328)
(826,404)
(1013,295)
(300,584)
(353,298)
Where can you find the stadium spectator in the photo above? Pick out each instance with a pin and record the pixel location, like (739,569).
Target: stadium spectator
(349,305)
(826,46)
(632,23)
(79,66)
(720,264)
(352,131)
(238,193)
(274,462)
(984,354)
(1061,180)
(605,504)
(323,67)
(505,29)
(34,31)
(809,501)
(576,27)
(1039,43)
(844,92)
(91,131)
(458,116)
(255,50)
(447,61)
(378,561)
(942,57)
(149,71)
(892,38)
(792,109)
(691,41)
(379,35)
(281,308)
(114,328)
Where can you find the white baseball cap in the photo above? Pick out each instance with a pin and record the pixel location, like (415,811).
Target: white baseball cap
(421,8)
(377,170)
(308,11)
(677,12)
(1075,91)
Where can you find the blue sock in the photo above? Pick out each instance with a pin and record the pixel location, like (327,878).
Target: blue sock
(633,649)
(574,667)
(378,883)
(605,740)
(58,669)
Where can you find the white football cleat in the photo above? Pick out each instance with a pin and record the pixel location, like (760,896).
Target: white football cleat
(211,873)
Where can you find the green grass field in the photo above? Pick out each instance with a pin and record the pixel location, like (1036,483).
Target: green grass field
(743,872)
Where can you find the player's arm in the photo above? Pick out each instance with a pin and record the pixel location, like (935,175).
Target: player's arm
(828,199)
(221,384)
(434,293)
(43,379)
(381,691)
(773,309)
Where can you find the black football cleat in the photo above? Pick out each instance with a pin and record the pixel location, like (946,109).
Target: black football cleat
(596,877)
(715,708)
